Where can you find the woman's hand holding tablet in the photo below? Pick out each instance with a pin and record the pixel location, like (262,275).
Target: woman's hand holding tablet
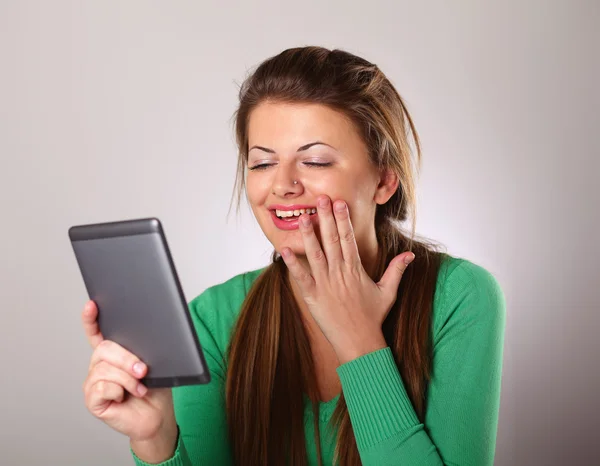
(114,394)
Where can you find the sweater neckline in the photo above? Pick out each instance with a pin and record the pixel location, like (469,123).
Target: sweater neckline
(326,408)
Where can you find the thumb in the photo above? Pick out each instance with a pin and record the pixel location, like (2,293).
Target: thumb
(391,278)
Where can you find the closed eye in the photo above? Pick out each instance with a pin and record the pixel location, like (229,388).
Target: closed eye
(316,164)
(262,166)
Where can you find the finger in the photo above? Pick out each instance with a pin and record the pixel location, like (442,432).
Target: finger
(116,355)
(314,253)
(302,276)
(347,240)
(330,237)
(101,394)
(89,318)
(391,278)
(106,372)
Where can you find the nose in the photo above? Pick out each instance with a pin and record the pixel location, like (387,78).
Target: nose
(283,181)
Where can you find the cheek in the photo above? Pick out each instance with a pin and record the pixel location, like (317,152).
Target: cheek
(256,190)
(362,210)
(360,218)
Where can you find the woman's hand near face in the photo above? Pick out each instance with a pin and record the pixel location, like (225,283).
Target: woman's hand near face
(345,302)
(114,394)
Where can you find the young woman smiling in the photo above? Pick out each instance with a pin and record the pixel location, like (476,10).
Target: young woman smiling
(339,351)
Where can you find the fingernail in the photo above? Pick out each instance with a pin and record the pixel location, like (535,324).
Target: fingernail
(323,202)
(285,252)
(340,206)
(138,368)
(408,259)
(141,389)
(305,220)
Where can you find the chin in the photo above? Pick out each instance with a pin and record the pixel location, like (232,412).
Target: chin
(293,240)
(295,244)
(297,250)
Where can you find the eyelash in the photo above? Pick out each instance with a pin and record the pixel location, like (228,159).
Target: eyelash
(263,166)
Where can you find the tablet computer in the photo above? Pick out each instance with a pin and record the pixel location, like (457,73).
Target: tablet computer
(129,273)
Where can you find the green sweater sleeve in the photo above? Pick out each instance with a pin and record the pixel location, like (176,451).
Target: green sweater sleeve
(463,396)
(200,409)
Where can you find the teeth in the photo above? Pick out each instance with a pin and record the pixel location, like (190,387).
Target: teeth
(294,213)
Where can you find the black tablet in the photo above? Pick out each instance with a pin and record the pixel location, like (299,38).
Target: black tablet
(128,271)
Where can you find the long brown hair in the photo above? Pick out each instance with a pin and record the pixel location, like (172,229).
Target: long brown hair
(270,365)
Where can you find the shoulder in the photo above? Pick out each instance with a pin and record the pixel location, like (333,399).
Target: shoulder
(467,294)
(217,308)
(228,294)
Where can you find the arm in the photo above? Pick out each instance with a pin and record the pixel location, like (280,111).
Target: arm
(464,393)
(200,409)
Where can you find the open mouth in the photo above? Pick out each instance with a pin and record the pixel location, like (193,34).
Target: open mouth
(293,214)
(289,219)
(286,217)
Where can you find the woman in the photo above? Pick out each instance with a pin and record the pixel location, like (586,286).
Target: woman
(338,352)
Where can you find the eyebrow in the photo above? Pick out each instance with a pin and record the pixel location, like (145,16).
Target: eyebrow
(300,149)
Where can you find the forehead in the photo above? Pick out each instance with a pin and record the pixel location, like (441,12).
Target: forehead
(294,124)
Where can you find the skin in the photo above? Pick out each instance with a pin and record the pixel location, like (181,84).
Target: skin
(284,128)
(330,259)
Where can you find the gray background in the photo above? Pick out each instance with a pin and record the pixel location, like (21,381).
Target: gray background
(121,109)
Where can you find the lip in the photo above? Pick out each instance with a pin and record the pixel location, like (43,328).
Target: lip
(291,207)
(288,225)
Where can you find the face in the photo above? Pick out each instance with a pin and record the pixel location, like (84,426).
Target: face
(320,149)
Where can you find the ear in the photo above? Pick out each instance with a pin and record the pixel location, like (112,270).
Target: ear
(388,185)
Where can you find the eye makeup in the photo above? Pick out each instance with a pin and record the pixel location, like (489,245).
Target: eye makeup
(264,165)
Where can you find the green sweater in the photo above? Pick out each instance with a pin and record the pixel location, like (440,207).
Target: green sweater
(463,396)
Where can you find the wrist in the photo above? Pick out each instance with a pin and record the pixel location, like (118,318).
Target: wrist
(158,448)
(365,346)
